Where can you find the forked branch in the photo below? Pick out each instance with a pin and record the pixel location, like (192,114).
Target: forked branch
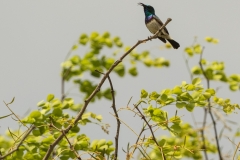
(97,89)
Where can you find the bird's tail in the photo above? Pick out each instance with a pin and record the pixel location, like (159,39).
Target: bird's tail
(174,44)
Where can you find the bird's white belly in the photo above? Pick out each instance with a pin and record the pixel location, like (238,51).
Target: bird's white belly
(153,26)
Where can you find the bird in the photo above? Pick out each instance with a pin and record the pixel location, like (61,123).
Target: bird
(153,24)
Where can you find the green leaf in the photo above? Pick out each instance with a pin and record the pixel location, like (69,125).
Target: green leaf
(35,114)
(94,144)
(144,93)
(175,120)
(197,48)
(196,70)
(185,96)
(189,51)
(190,107)
(99,118)
(207,95)
(76,107)
(70,101)
(83,36)
(86,115)
(190,87)
(36,132)
(177,90)
(41,103)
(154,95)
(74,47)
(107,94)
(101,142)
(75,129)
(108,42)
(48,140)
(133,71)
(176,128)
(94,35)
(164,97)
(109,143)
(196,81)
(56,103)
(234,87)
(57,112)
(50,97)
(148,61)
(180,104)
(237,134)
(103,148)
(106,35)
(208,39)
(65,105)
(120,70)
(83,144)
(109,150)
(162,142)
(211,91)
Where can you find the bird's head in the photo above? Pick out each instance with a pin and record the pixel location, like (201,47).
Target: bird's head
(147,9)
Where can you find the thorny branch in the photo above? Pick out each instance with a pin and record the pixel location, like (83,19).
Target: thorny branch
(210,112)
(97,89)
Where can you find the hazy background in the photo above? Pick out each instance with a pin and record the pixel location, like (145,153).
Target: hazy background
(35,37)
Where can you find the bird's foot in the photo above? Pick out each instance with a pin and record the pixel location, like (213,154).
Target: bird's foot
(150,38)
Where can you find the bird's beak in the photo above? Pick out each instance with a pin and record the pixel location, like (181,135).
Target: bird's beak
(141,4)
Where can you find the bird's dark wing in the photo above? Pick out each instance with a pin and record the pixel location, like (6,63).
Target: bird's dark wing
(160,22)
(162,39)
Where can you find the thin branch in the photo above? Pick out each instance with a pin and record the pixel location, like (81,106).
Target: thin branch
(19,144)
(143,129)
(203,134)
(210,112)
(97,89)
(117,117)
(149,126)
(70,144)
(238,146)
(205,115)
(125,124)
(13,112)
(221,118)
(63,83)
(187,65)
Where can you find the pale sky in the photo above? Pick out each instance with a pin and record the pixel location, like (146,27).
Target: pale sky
(35,37)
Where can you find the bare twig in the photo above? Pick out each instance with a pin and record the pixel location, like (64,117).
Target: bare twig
(143,129)
(238,146)
(19,144)
(150,127)
(70,144)
(13,112)
(210,112)
(221,118)
(205,115)
(63,83)
(125,124)
(188,68)
(117,117)
(203,134)
(97,89)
